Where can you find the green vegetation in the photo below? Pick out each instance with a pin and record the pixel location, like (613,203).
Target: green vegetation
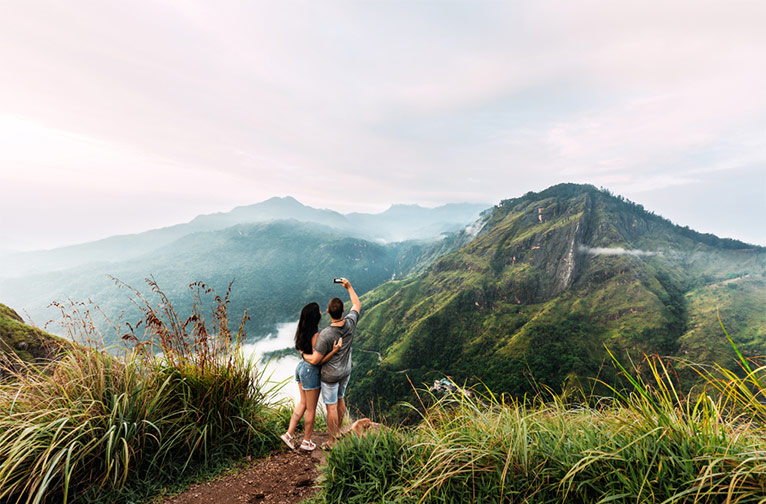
(372,468)
(647,444)
(741,304)
(25,342)
(90,427)
(550,280)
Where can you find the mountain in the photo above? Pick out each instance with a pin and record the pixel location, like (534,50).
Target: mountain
(278,267)
(392,225)
(26,342)
(550,280)
(272,209)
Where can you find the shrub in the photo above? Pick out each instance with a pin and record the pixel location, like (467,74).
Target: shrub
(371,468)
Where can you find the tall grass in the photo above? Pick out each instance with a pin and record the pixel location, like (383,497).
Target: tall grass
(90,426)
(743,390)
(647,444)
(373,468)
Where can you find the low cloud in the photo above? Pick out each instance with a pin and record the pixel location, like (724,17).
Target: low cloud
(616,251)
(474,229)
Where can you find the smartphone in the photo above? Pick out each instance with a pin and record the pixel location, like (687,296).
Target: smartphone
(337,280)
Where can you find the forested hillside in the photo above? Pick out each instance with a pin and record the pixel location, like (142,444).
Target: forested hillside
(551,280)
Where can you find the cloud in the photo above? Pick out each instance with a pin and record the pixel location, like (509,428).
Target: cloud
(429,102)
(616,251)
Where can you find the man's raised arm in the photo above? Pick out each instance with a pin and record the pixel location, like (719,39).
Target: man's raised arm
(355,303)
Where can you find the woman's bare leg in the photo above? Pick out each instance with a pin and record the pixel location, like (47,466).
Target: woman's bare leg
(300,408)
(312,398)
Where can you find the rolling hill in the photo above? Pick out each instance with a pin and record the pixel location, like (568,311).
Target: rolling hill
(551,279)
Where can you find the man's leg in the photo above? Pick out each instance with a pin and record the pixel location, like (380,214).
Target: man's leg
(332,421)
(341,400)
(341,411)
(330,398)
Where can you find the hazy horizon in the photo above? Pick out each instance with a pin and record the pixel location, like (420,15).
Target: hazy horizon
(489,205)
(11,251)
(118,118)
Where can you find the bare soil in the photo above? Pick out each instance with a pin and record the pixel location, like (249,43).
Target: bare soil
(286,477)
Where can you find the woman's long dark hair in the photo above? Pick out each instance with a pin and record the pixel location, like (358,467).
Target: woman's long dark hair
(307,327)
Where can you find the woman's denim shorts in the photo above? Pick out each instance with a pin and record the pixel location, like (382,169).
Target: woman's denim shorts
(307,375)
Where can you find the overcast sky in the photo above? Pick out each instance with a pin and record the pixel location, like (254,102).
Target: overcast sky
(119,116)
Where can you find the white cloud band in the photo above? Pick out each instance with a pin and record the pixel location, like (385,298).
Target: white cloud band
(616,251)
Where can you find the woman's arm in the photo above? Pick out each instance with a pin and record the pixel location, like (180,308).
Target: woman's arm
(318,359)
(335,347)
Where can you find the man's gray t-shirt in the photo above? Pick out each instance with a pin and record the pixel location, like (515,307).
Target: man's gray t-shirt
(339,365)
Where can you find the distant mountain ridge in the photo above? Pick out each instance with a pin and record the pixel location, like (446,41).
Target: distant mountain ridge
(398,223)
(550,279)
(278,266)
(275,208)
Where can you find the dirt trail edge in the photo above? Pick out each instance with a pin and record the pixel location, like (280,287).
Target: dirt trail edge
(283,478)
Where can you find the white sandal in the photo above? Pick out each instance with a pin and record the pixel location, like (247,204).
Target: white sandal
(288,439)
(308,445)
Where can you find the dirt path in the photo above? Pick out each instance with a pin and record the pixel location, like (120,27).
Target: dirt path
(286,477)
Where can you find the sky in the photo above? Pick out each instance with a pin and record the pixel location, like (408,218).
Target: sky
(117,117)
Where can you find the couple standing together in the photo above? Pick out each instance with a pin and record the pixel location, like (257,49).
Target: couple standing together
(325,365)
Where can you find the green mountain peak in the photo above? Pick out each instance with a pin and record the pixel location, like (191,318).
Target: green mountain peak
(548,281)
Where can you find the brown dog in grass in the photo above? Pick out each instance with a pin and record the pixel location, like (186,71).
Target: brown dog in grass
(361,427)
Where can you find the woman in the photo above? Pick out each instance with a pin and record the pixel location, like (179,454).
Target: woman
(307,374)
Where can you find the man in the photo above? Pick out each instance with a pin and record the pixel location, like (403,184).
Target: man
(336,371)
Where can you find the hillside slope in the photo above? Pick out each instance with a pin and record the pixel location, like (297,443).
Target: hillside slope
(550,280)
(29,343)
